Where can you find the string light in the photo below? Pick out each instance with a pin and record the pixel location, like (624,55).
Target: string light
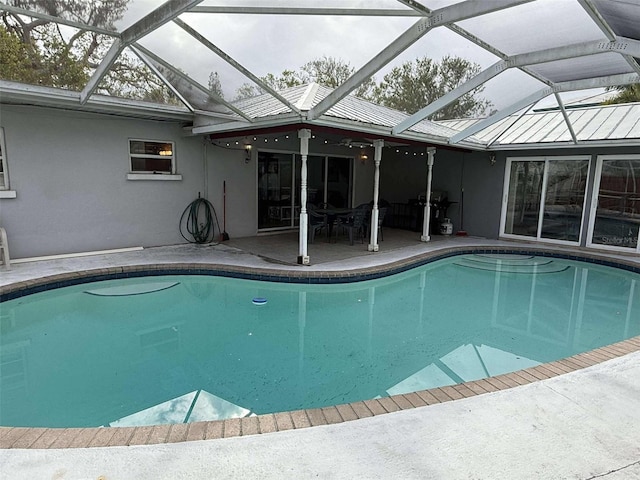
(246,141)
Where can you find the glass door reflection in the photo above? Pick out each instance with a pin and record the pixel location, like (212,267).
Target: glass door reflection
(616,207)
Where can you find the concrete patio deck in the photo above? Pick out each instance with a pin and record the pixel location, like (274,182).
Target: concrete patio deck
(577,425)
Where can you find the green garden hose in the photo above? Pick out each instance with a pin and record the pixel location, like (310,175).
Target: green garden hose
(201,229)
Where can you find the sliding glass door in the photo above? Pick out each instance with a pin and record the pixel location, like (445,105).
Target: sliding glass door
(329,180)
(615,209)
(545,198)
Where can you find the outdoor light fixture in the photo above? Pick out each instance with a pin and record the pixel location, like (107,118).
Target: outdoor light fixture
(492,159)
(247,148)
(363,158)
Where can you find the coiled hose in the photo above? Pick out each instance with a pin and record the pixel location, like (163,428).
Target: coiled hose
(201,229)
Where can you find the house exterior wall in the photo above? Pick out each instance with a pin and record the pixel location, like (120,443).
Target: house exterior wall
(483,184)
(69,171)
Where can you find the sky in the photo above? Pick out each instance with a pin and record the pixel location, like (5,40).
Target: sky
(270,44)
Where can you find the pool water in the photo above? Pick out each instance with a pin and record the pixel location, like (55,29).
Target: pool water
(175,349)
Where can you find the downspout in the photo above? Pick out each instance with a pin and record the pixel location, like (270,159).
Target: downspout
(303,257)
(373,245)
(431,151)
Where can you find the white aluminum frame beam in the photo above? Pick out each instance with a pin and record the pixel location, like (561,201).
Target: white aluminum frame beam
(196,94)
(600,82)
(152,66)
(443,16)
(618,44)
(161,15)
(231,61)
(60,20)
(566,118)
(360,12)
(604,26)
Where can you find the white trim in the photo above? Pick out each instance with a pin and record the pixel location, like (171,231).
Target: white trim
(8,194)
(154,176)
(594,205)
(74,255)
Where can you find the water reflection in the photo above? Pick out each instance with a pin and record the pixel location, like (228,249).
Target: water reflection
(71,359)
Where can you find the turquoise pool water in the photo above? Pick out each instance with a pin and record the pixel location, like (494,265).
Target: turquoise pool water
(176,349)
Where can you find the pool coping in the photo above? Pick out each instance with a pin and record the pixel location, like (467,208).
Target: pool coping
(56,438)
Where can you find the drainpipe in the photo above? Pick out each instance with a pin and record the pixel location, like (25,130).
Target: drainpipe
(304,135)
(373,245)
(431,151)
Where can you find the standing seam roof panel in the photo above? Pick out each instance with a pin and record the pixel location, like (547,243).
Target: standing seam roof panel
(626,124)
(541,135)
(561,133)
(610,124)
(583,122)
(521,127)
(594,125)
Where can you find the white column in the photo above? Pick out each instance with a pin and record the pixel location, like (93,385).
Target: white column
(304,135)
(431,151)
(377,158)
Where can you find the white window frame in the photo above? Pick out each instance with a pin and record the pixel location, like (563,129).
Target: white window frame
(150,175)
(594,205)
(505,198)
(5,190)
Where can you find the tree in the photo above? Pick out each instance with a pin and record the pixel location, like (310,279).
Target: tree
(66,58)
(327,71)
(215,85)
(413,85)
(626,94)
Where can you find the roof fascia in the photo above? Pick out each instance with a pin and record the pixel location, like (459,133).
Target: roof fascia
(268,122)
(443,16)
(619,44)
(231,61)
(290,121)
(565,145)
(60,20)
(161,15)
(35,95)
(385,133)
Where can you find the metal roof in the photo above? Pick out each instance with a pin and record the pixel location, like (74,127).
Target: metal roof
(591,125)
(555,46)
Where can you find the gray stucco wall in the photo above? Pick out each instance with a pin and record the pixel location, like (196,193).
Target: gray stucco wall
(69,171)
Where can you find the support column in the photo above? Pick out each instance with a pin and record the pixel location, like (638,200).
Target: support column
(303,257)
(431,151)
(377,157)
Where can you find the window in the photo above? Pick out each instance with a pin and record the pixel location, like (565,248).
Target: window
(4,172)
(151,157)
(152,160)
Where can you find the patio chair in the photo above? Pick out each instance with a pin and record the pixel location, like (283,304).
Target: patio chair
(317,222)
(381,213)
(353,223)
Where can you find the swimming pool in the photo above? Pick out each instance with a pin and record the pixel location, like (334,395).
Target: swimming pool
(188,348)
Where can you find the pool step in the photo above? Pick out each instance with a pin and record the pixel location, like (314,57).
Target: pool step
(522,264)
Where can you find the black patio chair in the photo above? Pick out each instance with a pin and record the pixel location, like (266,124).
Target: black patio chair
(317,222)
(354,224)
